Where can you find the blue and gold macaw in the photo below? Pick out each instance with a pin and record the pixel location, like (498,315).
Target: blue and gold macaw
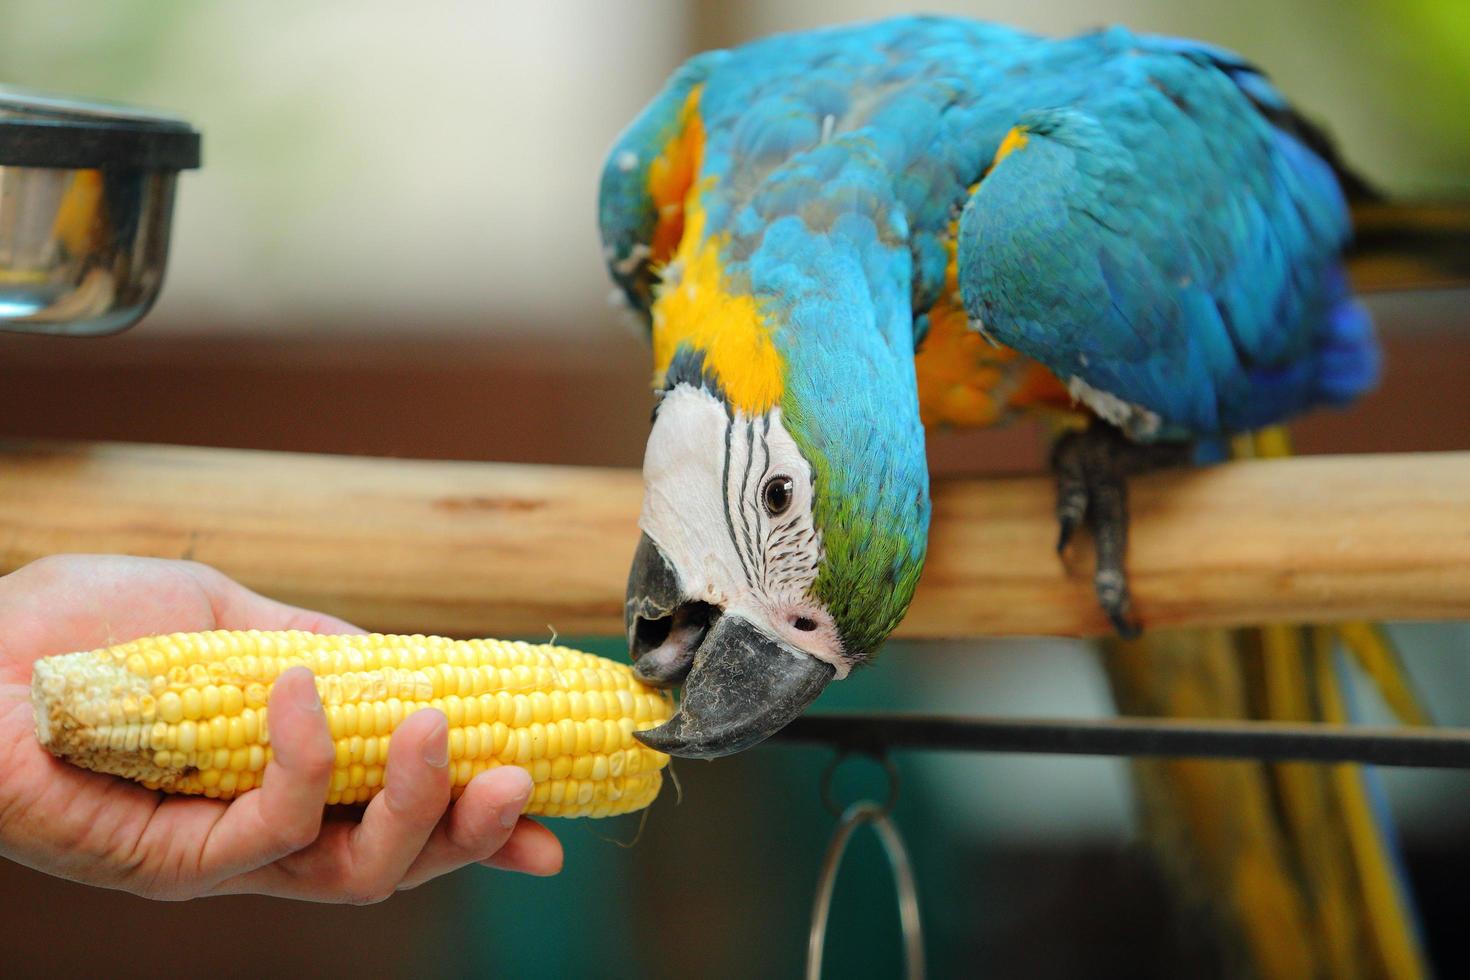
(840,237)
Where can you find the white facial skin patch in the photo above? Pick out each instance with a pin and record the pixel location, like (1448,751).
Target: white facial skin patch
(718,504)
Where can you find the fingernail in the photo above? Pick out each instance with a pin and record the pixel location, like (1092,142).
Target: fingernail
(510,811)
(307,697)
(436,745)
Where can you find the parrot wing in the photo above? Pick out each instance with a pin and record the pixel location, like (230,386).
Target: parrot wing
(1170,244)
(647,177)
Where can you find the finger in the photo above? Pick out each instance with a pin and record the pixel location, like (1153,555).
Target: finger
(236,607)
(531,849)
(478,824)
(285,814)
(399,820)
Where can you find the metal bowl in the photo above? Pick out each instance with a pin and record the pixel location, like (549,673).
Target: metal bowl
(86,200)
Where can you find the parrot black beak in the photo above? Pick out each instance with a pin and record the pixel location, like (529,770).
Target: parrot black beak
(741,684)
(663,629)
(742,687)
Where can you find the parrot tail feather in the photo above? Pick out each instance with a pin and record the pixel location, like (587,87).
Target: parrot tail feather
(1262,851)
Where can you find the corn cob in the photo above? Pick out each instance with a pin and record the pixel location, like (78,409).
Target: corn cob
(186,713)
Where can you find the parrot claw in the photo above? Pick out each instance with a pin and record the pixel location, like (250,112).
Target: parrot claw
(1092,469)
(1071,495)
(1112,594)
(1127,629)
(1067,527)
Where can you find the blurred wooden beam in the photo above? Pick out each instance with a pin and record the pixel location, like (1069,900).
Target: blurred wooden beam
(1409,245)
(530,393)
(495,549)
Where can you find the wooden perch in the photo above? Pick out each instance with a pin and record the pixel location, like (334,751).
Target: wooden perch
(495,549)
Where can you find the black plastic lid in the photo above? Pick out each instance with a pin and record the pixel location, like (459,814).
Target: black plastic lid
(49,131)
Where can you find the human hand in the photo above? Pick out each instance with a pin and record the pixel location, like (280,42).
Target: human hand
(274,840)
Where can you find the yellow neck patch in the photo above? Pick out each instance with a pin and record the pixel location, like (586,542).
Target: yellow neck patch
(693,308)
(965,379)
(671,177)
(1014,140)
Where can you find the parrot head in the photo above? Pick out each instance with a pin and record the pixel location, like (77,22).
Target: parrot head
(786,490)
(779,546)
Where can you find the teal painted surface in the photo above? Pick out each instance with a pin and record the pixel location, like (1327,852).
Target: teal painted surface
(1027,865)
(721,885)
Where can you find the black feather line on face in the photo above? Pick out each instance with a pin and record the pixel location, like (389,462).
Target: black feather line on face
(765,466)
(747,509)
(689,367)
(729,522)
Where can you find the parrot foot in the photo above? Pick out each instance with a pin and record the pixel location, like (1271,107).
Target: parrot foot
(1092,467)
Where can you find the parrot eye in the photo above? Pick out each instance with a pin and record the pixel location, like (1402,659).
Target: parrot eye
(777,494)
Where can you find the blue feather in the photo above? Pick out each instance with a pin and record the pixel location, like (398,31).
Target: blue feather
(1162,234)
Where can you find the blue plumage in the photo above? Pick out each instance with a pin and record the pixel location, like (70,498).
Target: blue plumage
(1142,219)
(1161,240)
(1158,237)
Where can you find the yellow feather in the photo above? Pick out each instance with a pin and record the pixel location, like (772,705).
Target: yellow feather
(693,308)
(1014,140)
(1375,653)
(1287,858)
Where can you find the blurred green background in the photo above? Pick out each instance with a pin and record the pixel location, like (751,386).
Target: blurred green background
(382,175)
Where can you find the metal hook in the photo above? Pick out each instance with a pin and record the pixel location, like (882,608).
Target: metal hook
(830,802)
(867,812)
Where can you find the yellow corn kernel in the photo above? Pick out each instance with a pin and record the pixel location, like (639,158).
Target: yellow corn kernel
(206,735)
(186,713)
(171,708)
(231,700)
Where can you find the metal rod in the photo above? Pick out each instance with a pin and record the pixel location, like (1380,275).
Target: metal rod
(903,877)
(1444,748)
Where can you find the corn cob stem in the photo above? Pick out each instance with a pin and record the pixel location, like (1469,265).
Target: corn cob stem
(186,713)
